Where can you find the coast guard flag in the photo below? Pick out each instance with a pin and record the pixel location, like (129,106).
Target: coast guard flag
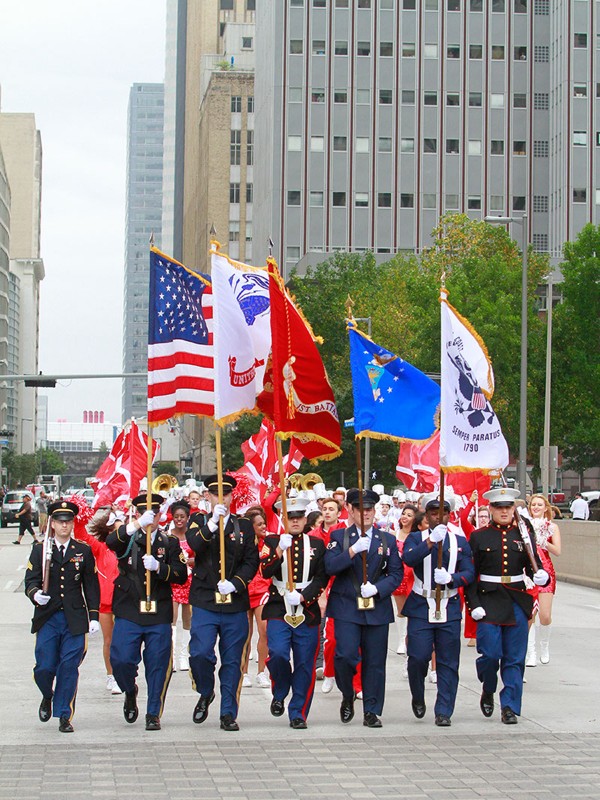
(470,433)
(242,335)
(180,341)
(392,399)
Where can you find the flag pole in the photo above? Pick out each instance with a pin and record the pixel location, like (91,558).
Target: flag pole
(284,515)
(148,606)
(364,603)
(221,599)
(440,550)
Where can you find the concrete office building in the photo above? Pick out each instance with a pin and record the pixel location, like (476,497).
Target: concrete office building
(143,206)
(375,117)
(21,148)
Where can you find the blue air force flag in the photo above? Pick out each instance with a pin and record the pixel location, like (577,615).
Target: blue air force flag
(392,399)
(470,433)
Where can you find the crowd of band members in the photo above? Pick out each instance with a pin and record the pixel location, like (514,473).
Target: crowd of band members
(349,584)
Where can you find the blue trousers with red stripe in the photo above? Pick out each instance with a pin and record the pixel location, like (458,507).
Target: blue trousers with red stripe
(58,654)
(303,642)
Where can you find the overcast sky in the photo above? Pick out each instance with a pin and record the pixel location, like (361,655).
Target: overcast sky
(72,63)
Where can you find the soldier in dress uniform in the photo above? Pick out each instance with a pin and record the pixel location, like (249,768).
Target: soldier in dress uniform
(500,603)
(64,614)
(362,634)
(134,625)
(425,632)
(293,616)
(228,621)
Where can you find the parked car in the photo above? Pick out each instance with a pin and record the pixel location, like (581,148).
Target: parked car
(11,503)
(591,498)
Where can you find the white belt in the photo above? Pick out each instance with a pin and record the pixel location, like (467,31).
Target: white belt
(446,593)
(502,578)
(281,586)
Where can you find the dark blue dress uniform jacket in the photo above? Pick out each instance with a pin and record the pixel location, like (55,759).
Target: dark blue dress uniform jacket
(73,586)
(384,569)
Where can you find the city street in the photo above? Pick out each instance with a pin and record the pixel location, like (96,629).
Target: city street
(554,752)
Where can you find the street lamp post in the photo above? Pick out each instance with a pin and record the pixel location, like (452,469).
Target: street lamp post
(522,463)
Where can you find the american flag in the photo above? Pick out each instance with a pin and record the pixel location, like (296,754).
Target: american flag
(180,341)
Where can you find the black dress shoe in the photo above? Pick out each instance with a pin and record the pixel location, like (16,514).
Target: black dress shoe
(442,721)
(64,726)
(347,710)
(130,709)
(298,724)
(508,716)
(486,704)
(228,723)
(371,720)
(277,707)
(152,722)
(45,709)
(201,708)
(419,709)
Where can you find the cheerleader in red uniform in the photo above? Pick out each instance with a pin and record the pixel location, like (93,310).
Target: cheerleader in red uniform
(180,514)
(258,593)
(405,526)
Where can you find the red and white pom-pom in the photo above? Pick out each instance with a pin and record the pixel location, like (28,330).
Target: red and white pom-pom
(84,514)
(242,496)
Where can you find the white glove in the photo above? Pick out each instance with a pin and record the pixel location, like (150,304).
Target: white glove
(220,510)
(540,578)
(150,562)
(226,587)
(167,505)
(94,627)
(478,613)
(112,518)
(438,534)
(368,589)
(442,576)
(361,545)
(285,541)
(294,598)
(147,518)
(119,516)
(40,598)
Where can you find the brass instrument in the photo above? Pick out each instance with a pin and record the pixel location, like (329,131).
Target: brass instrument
(309,480)
(164,483)
(295,480)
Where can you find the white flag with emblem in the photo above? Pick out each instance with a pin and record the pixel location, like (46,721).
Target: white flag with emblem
(470,433)
(242,335)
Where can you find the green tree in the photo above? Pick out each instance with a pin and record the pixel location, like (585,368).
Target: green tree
(232,437)
(50,462)
(166,468)
(575,422)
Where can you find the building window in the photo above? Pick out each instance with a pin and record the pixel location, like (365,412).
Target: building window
(234,231)
(474,147)
(453,5)
(293,198)
(430,145)
(497,52)
(580,40)
(497,100)
(408,49)
(234,193)
(497,147)
(250,5)
(540,101)
(540,203)
(520,53)
(361,199)
(541,54)
(338,199)
(386,49)
(384,200)
(452,146)
(541,8)
(341,3)
(579,195)
(453,99)
(409,5)
(520,6)
(407,97)
(579,90)
(319,3)
(363,48)
(294,143)
(498,6)
(293,253)
(385,97)
(519,100)
(364,3)
(430,51)
(407,200)
(362,144)
(236,104)
(317,144)
(430,98)
(580,138)
(340,96)
(597,138)
(451,201)
(317,96)
(339,143)
(363,96)
(519,147)
(407,145)
(235,147)
(518,203)
(296,47)
(384,144)
(497,201)
(475,99)
(476,5)
(540,242)
(295,94)
(540,149)
(250,104)
(453,51)
(475,51)
(246,43)
(249,192)
(318,47)
(341,48)
(316,199)
(249,148)
(474,202)
(226,5)
(429,201)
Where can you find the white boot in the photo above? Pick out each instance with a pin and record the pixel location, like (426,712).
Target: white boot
(184,653)
(531,657)
(545,644)
(401,628)
(174,647)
